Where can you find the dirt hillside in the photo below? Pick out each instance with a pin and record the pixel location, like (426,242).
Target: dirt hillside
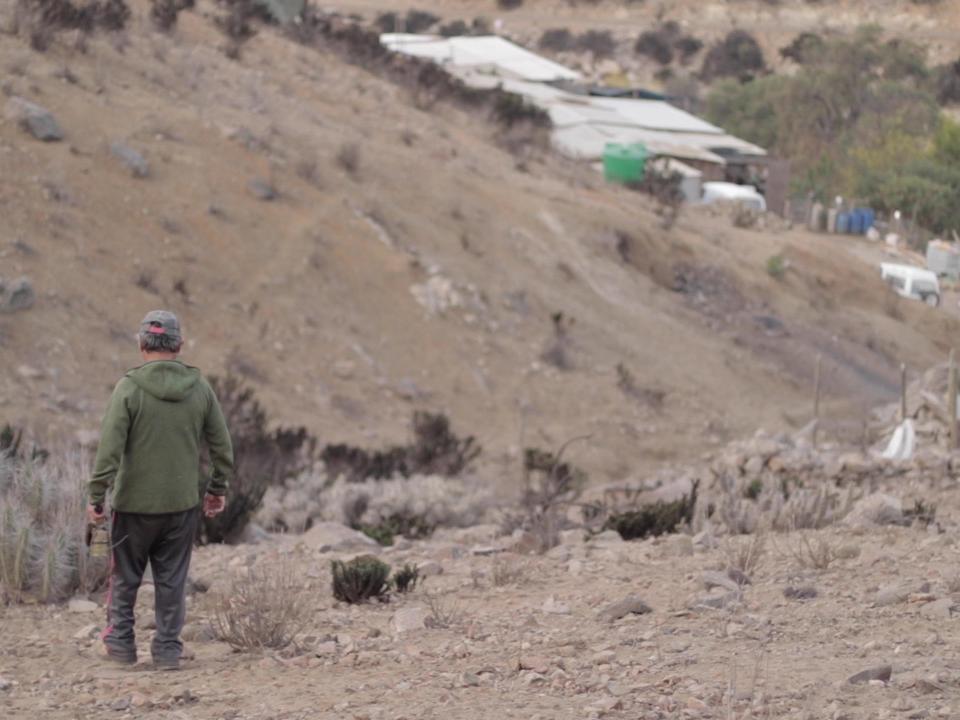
(408,260)
(774,25)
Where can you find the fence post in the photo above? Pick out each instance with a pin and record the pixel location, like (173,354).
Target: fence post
(903,392)
(816,399)
(952,399)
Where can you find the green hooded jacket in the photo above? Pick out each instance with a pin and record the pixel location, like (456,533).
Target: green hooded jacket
(150,441)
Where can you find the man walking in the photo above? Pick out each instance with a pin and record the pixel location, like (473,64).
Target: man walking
(150,454)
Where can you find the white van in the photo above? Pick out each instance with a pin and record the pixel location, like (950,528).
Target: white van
(912,282)
(731,192)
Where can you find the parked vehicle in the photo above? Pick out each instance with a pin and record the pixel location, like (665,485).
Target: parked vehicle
(912,282)
(731,192)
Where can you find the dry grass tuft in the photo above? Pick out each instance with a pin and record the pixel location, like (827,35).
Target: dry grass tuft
(817,554)
(443,613)
(266,609)
(507,573)
(745,554)
(43,556)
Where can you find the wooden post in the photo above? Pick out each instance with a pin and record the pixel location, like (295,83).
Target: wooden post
(816,399)
(952,399)
(903,392)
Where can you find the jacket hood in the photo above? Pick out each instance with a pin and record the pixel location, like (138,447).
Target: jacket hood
(166,379)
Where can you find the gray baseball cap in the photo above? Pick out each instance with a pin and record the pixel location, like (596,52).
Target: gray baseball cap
(160,322)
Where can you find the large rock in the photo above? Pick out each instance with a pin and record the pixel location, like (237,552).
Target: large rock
(16,295)
(331,536)
(630,605)
(881,673)
(409,619)
(34,119)
(131,159)
(876,509)
(82,605)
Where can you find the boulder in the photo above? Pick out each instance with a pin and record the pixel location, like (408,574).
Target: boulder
(881,673)
(938,609)
(262,189)
(82,605)
(892,594)
(34,119)
(131,159)
(630,605)
(409,619)
(429,568)
(715,578)
(876,509)
(16,295)
(332,536)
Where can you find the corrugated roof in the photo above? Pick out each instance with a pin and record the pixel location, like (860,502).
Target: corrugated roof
(583,124)
(489,51)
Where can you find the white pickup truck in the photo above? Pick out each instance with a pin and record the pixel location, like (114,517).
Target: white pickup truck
(912,282)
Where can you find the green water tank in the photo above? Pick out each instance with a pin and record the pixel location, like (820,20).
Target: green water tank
(624,163)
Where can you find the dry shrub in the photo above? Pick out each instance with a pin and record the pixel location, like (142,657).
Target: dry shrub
(43,556)
(262,458)
(506,572)
(745,554)
(44,19)
(163,13)
(776,504)
(816,554)
(558,350)
(550,487)
(348,159)
(738,55)
(435,449)
(238,23)
(558,40)
(443,613)
(666,188)
(598,42)
(266,609)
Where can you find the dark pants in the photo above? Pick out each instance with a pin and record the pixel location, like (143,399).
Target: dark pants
(166,541)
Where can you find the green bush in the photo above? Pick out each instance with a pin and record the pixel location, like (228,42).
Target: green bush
(412,527)
(776,266)
(406,578)
(360,579)
(652,520)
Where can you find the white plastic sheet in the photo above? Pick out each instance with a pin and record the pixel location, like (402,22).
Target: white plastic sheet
(903,443)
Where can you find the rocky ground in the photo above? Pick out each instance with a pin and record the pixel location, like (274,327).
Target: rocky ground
(492,633)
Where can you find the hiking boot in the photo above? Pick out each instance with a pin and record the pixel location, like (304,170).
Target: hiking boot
(119,658)
(166,664)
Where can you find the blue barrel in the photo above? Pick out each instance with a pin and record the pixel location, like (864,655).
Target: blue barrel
(856,222)
(843,223)
(869,218)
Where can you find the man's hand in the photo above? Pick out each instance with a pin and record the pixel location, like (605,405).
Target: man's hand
(213,505)
(95,514)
